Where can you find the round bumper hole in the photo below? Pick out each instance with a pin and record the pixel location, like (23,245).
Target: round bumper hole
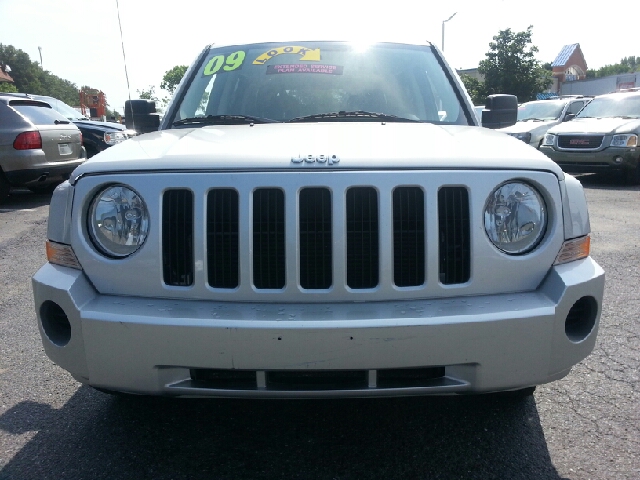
(581,319)
(55,323)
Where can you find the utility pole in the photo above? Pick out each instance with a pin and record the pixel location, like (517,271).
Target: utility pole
(443,22)
(40,50)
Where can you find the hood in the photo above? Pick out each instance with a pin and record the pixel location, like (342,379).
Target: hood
(103,126)
(530,126)
(359,146)
(602,126)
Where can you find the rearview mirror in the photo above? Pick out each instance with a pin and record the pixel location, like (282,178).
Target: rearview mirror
(141,116)
(500,111)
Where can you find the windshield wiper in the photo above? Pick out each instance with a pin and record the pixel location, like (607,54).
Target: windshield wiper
(222,120)
(58,122)
(359,114)
(533,119)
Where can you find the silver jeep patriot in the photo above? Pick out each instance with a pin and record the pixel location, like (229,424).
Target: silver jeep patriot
(317,219)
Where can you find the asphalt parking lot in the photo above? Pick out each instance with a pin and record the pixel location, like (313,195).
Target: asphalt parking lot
(585,426)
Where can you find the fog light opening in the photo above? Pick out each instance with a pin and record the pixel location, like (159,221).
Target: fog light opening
(55,323)
(618,160)
(581,319)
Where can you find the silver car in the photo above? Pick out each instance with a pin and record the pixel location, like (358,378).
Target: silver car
(39,148)
(319,219)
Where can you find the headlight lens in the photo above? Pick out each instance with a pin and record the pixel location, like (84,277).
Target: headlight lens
(525,137)
(118,221)
(624,141)
(111,138)
(515,218)
(549,139)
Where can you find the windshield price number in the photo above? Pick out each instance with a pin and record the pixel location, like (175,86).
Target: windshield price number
(231,62)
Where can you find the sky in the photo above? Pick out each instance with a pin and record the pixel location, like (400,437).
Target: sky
(80,40)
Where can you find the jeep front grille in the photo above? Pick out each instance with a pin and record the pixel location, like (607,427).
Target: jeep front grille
(317,245)
(177,237)
(222,238)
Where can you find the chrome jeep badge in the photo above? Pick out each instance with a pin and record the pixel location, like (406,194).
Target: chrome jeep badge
(322,159)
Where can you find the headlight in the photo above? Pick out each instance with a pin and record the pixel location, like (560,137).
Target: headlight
(515,218)
(118,221)
(624,141)
(525,137)
(111,138)
(549,139)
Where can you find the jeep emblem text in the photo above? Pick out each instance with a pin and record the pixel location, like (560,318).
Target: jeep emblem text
(322,159)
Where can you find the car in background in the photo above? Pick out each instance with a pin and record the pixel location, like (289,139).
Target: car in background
(39,148)
(538,116)
(602,137)
(97,136)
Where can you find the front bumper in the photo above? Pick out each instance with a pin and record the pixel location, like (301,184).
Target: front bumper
(611,158)
(479,344)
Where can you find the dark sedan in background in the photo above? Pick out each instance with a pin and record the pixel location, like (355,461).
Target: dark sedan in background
(97,136)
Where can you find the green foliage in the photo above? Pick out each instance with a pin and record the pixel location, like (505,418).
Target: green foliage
(511,67)
(626,65)
(475,88)
(148,94)
(25,73)
(7,87)
(172,78)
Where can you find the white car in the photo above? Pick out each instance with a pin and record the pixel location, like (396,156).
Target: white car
(537,117)
(319,219)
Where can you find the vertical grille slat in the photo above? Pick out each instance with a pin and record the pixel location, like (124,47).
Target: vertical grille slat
(177,237)
(268,239)
(223,238)
(408,237)
(454,235)
(362,238)
(315,238)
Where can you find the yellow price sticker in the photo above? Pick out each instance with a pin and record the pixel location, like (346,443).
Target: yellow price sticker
(307,54)
(231,62)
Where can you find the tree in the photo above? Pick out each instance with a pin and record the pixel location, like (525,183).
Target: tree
(148,94)
(511,66)
(475,88)
(25,73)
(7,87)
(626,65)
(172,78)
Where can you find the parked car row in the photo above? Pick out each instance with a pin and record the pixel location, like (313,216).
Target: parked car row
(601,136)
(42,140)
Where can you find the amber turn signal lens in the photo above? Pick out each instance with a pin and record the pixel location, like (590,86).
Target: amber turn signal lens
(574,250)
(61,254)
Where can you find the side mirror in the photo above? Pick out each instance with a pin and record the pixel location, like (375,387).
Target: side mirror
(569,116)
(500,111)
(141,116)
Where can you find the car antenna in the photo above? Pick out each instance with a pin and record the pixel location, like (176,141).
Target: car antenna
(124,59)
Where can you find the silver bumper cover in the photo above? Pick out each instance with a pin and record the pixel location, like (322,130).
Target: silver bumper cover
(484,343)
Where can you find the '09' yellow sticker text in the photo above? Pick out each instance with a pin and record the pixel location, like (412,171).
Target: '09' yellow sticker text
(231,62)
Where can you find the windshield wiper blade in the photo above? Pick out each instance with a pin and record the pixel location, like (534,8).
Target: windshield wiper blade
(58,122)
(222,120)
(360,114)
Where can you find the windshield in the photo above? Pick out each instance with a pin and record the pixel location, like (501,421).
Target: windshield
(304,80)
(615,106)
(544,110)
(61,107)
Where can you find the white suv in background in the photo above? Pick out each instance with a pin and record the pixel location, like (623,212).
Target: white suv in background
(538,116)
